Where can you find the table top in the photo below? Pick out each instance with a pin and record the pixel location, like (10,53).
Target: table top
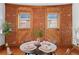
(45,46)
(27,47)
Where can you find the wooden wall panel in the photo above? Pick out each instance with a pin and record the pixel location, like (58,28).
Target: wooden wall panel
(24,35)
(53,34)
(39,20)
(10,16)
(62,35)
(66,25)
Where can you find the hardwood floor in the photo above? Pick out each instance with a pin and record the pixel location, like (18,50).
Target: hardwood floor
(17,51)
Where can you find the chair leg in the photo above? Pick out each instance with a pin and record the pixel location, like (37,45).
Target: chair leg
(50,53)
(25,53)
(53,53)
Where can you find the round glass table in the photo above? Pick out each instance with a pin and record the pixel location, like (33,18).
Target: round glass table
(36,48)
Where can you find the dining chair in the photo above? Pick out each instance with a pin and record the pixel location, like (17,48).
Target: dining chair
(54,53)
(53,41)
(9,52)
(68,51)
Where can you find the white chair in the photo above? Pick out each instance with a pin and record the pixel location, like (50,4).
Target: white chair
(53,41)
(9,52)
(68,51)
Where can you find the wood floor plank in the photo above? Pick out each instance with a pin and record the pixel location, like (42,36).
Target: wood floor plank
(17,51)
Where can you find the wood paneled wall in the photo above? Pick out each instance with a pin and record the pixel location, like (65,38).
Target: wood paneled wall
(66,25)
(39,20)
(10,17)
(62,35)
(24,34)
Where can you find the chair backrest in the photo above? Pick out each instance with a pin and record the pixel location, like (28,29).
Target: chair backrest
(68,51)
(9,52)
(53,41)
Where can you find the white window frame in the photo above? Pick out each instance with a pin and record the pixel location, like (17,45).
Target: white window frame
(54,22)
(25,21)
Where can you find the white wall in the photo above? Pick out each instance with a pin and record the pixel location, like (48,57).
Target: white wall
(75,19)
(2,19)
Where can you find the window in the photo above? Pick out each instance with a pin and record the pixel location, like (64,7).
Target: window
(24,20)
(53,20)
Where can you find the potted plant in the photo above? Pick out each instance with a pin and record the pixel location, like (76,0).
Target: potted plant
(38,34)
(6,31)
(6,28)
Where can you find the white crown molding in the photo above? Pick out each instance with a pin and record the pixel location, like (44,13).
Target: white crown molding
(40,4)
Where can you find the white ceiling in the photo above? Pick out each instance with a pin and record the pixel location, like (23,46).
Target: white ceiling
(40,4)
